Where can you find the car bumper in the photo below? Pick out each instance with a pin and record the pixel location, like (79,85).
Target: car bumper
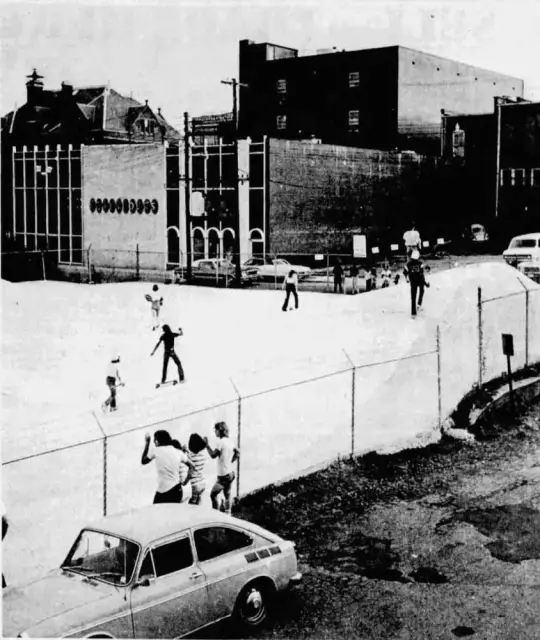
(295,580)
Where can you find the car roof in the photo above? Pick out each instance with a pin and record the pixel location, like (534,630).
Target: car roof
(526,236)
(156,521)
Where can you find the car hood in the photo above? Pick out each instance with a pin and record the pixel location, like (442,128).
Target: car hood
(56,593)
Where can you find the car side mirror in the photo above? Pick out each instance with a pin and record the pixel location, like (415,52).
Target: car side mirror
(145,581)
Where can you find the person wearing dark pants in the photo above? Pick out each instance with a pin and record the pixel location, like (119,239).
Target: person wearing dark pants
(338,277)
(290,284)
(168,337)
(414,274)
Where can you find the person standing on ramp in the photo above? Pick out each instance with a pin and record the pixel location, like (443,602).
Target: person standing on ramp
(168,337)
(414,274)
(290,284)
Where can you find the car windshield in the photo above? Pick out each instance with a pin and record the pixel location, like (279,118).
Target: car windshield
(103,556)
(523,243)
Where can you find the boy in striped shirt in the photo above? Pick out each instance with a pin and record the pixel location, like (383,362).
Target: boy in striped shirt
(197,455)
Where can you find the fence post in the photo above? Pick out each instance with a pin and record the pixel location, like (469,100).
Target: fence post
(43,266)
(439,393)
(239,438)
(105,454)
(137,265)
(353,412)
(327,271)
(88,262)
(527,328)
(480,338)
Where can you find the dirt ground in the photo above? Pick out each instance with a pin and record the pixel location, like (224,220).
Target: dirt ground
(437,543)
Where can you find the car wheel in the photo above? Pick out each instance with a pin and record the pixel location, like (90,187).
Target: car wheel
(253,605)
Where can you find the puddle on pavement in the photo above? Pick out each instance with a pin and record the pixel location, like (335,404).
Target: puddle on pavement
(514,527)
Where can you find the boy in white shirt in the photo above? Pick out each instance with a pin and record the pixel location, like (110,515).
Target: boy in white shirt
(156,302)
(227,455)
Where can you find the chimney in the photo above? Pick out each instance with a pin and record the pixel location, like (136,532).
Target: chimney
(159,111)
(34,88)
(67,89)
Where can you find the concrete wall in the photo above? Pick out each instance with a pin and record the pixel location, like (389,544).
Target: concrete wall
(133,173)
(427,84)
(321,194)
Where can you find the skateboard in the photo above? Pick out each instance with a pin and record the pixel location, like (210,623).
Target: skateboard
(161,384)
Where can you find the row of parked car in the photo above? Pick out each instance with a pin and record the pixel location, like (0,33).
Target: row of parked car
(222,272)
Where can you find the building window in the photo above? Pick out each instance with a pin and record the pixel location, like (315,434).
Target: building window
(458,142)
(354,119)
(535,177)
(354,79)
(281,123)
(281,86)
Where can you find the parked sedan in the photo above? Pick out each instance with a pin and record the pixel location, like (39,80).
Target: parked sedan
(159,572)
(220,272)
(270,268)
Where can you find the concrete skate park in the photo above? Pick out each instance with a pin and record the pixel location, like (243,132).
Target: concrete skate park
(341,376)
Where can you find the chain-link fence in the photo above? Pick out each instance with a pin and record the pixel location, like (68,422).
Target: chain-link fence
(286,421)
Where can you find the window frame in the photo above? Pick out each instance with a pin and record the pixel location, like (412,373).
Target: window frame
(281,86)
(354,79)
(281,122)
(185,535)
(227,528)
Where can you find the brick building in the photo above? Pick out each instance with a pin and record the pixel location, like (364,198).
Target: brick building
(85,115)
(492,161)
(372,98)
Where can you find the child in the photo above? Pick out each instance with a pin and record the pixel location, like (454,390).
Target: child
(197,455)
(386,277)
(112,380)
(168,337)
(156,302)
(354,276)
(227,454)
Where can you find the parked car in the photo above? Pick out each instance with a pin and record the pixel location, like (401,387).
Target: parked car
(218,271)
(531,269)
(271,268)
(523,248)
(478,234)
(158,572)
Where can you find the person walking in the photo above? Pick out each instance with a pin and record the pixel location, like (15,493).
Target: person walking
(338,277)
(197,455)
(172,465)
(354,275)
(227,454)
(290,285)
(412,240)
(168,337)
(414,275)
(112,380)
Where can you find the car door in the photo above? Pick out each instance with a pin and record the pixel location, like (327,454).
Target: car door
(174,599)
(221,552)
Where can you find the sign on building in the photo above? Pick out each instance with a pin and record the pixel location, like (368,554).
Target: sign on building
(359,246)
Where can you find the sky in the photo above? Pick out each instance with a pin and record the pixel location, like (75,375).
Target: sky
(176,54)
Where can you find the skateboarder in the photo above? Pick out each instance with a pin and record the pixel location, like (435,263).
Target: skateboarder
(338,277)
(290,284)
(156,302)
(168,337)
(113,381)
(414,274)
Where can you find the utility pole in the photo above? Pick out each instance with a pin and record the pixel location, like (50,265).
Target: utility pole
(497,153)
(235,84)
(187,187)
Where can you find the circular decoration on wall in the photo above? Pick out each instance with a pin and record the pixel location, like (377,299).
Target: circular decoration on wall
(132,205)
(112,205)
(119,207)
(105,205)
(125,205)
(140,206)
(155,205)
(147,206)
(92,205)
(99,205)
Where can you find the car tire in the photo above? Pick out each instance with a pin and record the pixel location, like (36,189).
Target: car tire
(253,605)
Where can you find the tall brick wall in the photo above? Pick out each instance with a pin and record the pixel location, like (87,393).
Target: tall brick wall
(321,194)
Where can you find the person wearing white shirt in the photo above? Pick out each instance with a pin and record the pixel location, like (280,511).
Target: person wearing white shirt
(227,454)
(412,240)
(112,380)
(170,463)
(290,285)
